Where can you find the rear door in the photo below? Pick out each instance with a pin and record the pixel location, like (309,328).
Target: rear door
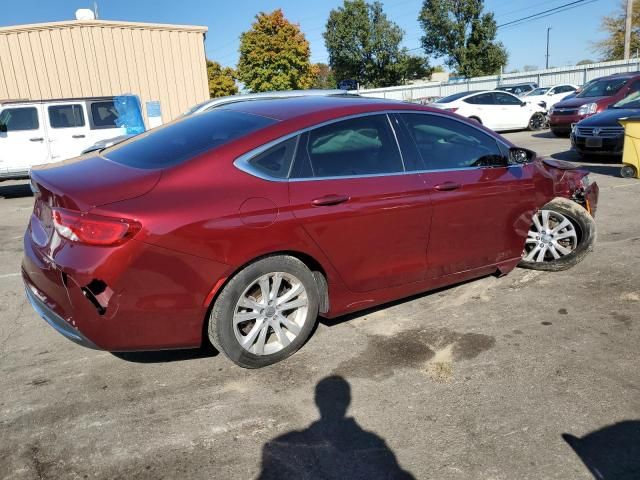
(22,139)
(512,113)
(485,108)
(355,198)
(67,129)
(481,206)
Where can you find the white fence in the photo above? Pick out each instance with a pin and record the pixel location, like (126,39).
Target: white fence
(577,74)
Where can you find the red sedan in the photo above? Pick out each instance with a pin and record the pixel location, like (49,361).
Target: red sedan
(242,224)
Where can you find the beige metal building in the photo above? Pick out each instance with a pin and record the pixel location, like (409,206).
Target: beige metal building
(83,58)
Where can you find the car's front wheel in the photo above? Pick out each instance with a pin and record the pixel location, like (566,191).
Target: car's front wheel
(562,233)
(537,121)
(266,312)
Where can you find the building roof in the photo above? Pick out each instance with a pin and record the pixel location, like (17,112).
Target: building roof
(102,23)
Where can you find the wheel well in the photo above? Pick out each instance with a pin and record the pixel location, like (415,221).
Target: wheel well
(319,274)
(477,119)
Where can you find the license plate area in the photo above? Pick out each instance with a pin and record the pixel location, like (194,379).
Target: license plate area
(593,142)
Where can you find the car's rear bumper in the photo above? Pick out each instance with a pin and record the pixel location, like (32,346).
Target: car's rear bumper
(149,298)
(39,304)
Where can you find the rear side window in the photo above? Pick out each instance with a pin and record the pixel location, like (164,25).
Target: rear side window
(17,119)
(446,144)
(276,161)
(104,114)
(183,139)
(66,116)
(358,146)
(481,99)
(506,99)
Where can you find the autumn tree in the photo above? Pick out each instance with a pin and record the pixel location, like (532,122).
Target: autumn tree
(612,47)
(325,78)
(274,55)
(222,80)
(459,31)
(364,45)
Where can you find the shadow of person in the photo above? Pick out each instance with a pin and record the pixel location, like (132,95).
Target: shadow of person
(611,453)
(334,447)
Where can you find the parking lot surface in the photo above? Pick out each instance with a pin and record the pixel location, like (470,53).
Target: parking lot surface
(530,376)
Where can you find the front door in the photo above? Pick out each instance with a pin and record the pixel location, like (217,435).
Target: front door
(22,139)
(481,206)
(370,217)
(68,130)
(512,113)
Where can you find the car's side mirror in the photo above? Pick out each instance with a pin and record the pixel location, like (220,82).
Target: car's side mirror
(519,156)
(522,104)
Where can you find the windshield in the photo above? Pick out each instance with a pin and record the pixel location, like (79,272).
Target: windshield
(603,88)
(455,96)
(630,101)
(182,139)
(538,91)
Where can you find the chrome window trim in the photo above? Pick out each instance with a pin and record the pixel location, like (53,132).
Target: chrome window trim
(242,162)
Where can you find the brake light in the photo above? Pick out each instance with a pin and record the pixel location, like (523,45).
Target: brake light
(452,109)
(93,229)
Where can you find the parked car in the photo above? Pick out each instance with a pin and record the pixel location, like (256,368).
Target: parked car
(594,98)
(602,134)
(518,88)
(318,205)
(547,97)
(45,131)
(494,109)
(222,101)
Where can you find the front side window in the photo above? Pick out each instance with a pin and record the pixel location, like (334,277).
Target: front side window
(104,114)
(66,116)
(358,146)
(446,144)
(19,119)
(506,99)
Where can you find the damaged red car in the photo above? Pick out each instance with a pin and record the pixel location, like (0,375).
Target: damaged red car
(241,225)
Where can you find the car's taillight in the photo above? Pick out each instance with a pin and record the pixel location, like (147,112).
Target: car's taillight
(93,229)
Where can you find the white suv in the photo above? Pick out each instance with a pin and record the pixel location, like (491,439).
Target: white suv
(45,131)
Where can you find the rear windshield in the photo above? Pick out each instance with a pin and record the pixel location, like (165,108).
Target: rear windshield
(603,88)
(183,139)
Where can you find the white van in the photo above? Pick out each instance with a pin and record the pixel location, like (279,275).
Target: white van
(46,131)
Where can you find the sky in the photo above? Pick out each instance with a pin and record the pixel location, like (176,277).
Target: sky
(571,37)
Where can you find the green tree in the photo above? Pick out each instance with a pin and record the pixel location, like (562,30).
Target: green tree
(459,31)
(274,55)
(324,77)
(413,67)
(364,45)
(222,80)
(612,47)
(586,61)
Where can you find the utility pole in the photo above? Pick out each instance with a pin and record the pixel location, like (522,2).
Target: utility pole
(627,30)
(548,29)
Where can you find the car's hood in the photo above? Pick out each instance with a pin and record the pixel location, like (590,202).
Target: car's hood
(609,118)
(577,102)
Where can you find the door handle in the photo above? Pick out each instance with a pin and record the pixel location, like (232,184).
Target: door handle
(36,139)
(329,200)
(447,186)
(77,136)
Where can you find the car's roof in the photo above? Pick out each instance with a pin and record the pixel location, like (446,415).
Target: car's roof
(320,106)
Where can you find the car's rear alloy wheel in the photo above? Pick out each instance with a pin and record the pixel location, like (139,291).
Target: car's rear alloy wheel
(628,171)
(537,121)
(561,234)
(266,312)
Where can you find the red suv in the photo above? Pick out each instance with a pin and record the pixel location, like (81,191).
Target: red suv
(596,96)
(241,224)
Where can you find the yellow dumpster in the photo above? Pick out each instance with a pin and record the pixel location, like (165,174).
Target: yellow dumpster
(631,153)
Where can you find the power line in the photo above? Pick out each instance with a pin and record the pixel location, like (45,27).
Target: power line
(587,2)
(554,9)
